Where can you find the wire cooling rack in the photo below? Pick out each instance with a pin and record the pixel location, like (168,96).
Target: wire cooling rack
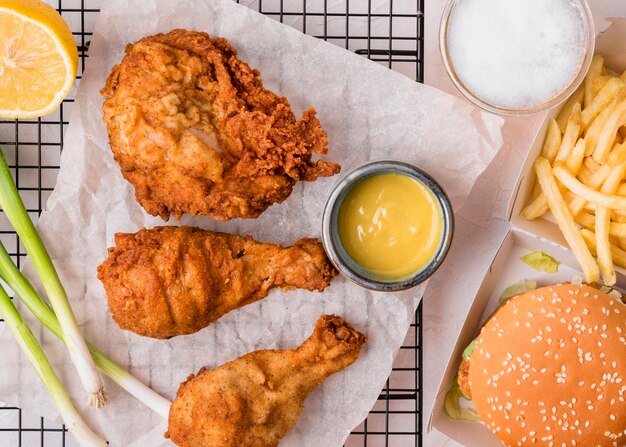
(389,32)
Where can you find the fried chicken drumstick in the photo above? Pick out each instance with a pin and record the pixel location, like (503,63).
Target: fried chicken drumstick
(195,132)
(256,399)
(170,281)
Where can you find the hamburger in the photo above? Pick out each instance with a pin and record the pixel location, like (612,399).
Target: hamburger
(548,368)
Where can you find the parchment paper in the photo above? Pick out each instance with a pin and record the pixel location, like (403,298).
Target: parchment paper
(368,111)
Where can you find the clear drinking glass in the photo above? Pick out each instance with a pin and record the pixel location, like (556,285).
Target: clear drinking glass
(589,33)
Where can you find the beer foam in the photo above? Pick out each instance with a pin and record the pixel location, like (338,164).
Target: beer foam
(516,54)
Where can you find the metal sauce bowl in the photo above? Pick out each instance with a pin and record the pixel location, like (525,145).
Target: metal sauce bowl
(342,260)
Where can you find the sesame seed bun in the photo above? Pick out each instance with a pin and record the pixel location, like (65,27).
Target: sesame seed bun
(549,369)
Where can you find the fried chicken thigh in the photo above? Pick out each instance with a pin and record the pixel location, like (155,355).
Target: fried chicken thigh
(194,130)
(170,281)
(256,399)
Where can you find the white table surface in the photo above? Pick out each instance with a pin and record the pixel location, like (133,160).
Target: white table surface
(445,303)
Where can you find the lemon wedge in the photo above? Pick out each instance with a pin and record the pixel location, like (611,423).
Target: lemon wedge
(38,59)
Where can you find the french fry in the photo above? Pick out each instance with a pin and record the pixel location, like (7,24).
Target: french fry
(577,97)
(586,220)
(618,215)
(589,206)
(612,240)
(584,174)
(572,132)
(617,155)
(596,180)
(565,220)
(611,201)
(539,205)
(553,141)
(567,196)
(617,229)
(595,70)
(575,159)
(603,220)
(619,220)
(603,246)
(619,255)
(598,83)
(537,208)
(536,190)
(606,138)
(582,178)
(591,163)
(604,97)
(592,133)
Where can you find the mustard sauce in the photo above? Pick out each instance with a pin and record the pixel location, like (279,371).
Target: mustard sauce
(391,225)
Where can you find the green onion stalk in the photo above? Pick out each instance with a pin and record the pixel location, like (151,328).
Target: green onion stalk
(37,358)
(11,203)
(10,274)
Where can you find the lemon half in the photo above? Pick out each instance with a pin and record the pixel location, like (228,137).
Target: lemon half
(38,59)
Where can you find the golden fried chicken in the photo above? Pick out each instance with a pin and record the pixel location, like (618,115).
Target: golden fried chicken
(195,132)
(256,399)
(170,281)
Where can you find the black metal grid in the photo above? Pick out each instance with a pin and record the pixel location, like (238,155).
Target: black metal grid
(389,32)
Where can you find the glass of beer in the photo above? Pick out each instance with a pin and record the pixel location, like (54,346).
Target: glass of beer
(516,57)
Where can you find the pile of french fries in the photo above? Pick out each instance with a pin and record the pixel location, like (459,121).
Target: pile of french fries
(581,173)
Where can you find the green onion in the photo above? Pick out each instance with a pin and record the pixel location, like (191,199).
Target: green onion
(10,274)
(11,203)
(25,338)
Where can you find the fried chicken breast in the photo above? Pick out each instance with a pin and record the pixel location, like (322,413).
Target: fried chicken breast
(255,400)
(170,281)
(194,131)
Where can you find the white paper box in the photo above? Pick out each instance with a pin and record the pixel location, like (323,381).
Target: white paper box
(541,234)
(506,269)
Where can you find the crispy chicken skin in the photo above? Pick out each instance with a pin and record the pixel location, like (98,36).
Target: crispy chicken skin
(170,281)
(256,399)
(195,132)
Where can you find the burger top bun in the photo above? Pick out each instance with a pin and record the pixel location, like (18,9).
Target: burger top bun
(549,369)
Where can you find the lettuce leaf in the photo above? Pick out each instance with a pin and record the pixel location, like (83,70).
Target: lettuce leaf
(541,261)
(452,407)
(468,351)
(522,286)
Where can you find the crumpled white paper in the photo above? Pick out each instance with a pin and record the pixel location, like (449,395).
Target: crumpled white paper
(369,113)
